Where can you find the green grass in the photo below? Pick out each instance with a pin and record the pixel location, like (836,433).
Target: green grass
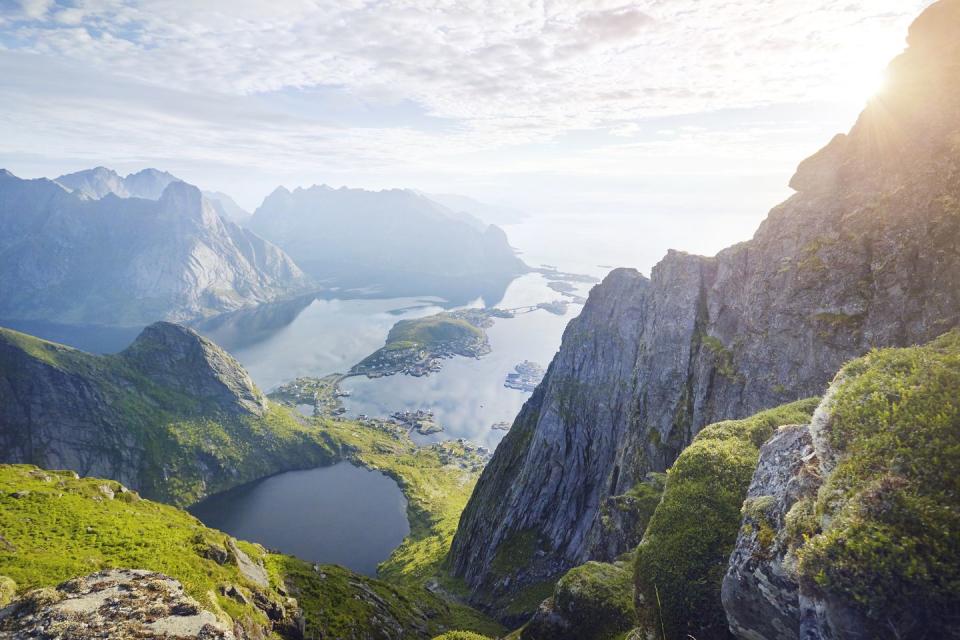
(190,451)
(685,549)
(59,527)
(435,330)
(891,547)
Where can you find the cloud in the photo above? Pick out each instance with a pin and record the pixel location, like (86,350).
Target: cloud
(328,84)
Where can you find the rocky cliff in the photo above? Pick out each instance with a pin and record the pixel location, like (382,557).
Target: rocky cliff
(173,416)
(128,261)
(864,254)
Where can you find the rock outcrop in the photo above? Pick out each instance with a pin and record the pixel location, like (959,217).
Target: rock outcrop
(117,603)
(173,416)
(863,255)
(850,523)
(129,261)
(397,240)
(179,358)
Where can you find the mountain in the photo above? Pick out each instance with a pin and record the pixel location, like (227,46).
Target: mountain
(492,213)
(128,261)
(863,255)
(173,416)
(831,517)
(396,240)
(227,207)
(100,181)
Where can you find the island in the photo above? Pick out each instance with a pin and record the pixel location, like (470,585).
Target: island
(422,421)
(416,347)
(501,426)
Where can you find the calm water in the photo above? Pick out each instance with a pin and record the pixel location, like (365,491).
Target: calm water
(314,338)
(342,515)
(467,395)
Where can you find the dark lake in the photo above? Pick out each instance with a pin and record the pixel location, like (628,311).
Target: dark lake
(342,514)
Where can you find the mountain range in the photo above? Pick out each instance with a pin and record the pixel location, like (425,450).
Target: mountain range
(397,241)
(91,256)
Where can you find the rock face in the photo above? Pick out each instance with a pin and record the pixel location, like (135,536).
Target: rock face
(173,416)
(787,471)
(118,603)
(179,358)
(863,255)
(850,523)
(397,240)
(128,261)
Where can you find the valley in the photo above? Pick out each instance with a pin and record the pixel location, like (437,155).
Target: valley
(363,413)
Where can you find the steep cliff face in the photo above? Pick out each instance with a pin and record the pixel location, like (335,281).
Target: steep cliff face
(173,416)
(863,255)
(128,261)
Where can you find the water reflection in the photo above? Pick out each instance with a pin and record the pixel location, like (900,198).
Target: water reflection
(467,396)
(325,336)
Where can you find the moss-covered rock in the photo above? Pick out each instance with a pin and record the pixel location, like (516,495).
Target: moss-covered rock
(591,602)
(888,513)
(461,635)
(683,556)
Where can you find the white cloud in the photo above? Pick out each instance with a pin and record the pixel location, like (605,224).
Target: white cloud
(220,81)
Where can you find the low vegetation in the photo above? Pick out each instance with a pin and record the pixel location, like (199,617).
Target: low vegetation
(683,556)
(57,526)
(893,501)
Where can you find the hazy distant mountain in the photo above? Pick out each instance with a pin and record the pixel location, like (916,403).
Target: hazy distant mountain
(148,183)
(397,240)
(66,257)
(490,213)
(98,182)
(227,207)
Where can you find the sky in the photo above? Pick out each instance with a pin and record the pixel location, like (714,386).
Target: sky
(689,112)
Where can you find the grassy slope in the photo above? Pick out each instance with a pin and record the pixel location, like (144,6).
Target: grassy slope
(431,331)
(181,438)
(684,552)
(58,527)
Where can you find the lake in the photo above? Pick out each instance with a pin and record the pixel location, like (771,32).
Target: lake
(323,515)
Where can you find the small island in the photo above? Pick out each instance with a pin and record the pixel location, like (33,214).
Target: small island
(525,377)
(501,426)
(416,347)
(422,421)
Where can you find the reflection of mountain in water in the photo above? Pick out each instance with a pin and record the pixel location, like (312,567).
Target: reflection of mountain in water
(248,327)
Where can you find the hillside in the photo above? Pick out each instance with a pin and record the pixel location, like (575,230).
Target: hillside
(127,261)
(59,527)
(173,416)
(863,255)
(396,241)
